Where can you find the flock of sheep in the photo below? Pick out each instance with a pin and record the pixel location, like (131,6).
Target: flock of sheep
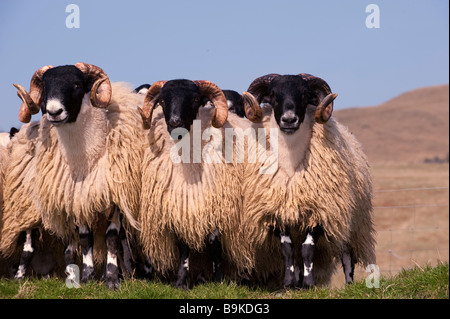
(141,182)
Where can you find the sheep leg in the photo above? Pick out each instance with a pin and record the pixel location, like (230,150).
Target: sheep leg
(69,253)
(148,268)
(216,254)
(287,248)
(86,243)
(308,257)
(127,255)
(183,271)
(25,256)
(348,264)
(112,247)
(72,278)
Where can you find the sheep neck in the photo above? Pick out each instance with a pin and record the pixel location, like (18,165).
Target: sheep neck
(83,142)
(292,147)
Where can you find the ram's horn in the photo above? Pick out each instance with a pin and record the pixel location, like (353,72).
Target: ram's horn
(260,85)
(252,108)
(101,90)
(215,94)
(322,90)
(151,98)
(31,102)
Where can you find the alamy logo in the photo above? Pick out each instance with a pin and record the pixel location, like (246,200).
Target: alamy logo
(373,19)
(219,149)
(73,276)
(373,280)
(73,19)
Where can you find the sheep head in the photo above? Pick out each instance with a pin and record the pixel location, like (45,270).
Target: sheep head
(181,100)
(243,105)
(289,95)
(68,84)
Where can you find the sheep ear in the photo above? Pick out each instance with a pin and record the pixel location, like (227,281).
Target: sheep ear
(265,99)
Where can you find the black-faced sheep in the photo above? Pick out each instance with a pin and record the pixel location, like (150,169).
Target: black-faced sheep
(190,198)
(6,137)
(86,158)
(320,193)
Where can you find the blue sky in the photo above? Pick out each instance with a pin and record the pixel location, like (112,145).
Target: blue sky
(230,43)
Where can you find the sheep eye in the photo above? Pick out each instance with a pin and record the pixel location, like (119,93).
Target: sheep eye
(76,86)
(196,99)
(162,102)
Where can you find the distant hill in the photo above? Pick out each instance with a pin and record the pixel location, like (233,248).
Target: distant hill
(411,128)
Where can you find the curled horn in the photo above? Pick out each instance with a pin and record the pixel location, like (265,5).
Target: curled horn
(31,102)
(149,103)
(260,85)
(101,87)
(215,94)
(252,109)
(322,90)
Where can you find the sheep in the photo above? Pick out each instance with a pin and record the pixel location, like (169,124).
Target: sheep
(320,193)
(142,89)
(185,201)
(235,102)
(87,159)
(3,157)
(6,137)
(22,234)
(43,261)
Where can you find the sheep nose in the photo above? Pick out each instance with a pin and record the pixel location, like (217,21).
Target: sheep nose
(55,113)
(289,119)
(176,122)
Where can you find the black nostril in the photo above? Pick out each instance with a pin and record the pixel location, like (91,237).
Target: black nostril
(58,112)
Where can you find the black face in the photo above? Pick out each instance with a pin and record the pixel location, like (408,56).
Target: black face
(235,102)
(289,97)
(180,100)
(63,90)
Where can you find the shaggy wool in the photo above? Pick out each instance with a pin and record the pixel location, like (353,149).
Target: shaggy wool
(19,213)
(61,186)
(322,178)
(82,170)
(187,201)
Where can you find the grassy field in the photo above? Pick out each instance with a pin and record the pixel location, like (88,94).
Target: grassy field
(427,282)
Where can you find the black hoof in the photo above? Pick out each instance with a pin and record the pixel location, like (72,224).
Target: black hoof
(112,283)
(87,274)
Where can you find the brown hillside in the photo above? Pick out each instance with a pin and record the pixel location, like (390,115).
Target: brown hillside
(410,128)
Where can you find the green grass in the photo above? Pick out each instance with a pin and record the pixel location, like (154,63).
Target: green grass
(418,283)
